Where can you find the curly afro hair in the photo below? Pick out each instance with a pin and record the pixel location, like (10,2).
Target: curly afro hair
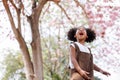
(71,33)
(90,33)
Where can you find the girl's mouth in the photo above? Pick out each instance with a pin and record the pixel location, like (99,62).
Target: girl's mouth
(81,33)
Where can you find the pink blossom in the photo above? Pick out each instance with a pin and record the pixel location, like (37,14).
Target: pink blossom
(113,17)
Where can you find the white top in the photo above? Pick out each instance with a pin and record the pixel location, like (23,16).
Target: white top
(82,48)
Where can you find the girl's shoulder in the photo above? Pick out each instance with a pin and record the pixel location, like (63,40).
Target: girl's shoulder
(82,48)
(72,44)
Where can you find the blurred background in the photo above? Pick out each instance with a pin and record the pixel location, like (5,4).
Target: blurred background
(103,16)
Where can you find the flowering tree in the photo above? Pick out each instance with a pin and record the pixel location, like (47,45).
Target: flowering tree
(102,16)
(34,68)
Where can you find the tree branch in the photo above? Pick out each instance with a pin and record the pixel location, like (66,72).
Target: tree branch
(45,11)
(11,1)
(40,6)
(33,4)
(10,16)
(66,14)
(78,4)
(56,1)
(21,7)
(18,11)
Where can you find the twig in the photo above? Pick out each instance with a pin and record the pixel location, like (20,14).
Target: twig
(66,14)
(78,4)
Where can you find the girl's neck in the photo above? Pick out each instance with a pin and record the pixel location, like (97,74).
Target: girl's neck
(81,42)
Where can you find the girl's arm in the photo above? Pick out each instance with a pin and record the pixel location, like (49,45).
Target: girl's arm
(100,70)
(76,65)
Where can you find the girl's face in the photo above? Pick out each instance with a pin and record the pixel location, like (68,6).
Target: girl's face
(81,34)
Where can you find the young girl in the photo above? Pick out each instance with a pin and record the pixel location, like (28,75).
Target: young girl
(81,60)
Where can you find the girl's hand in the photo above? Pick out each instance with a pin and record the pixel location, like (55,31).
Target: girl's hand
(105,73)
(84,74)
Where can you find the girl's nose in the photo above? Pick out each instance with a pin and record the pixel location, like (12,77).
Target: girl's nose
(81,29)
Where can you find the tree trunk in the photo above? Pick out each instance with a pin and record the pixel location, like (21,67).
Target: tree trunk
(33,71)
(36,48)
(22,44)
(36,45)
(26,58)
(36,41)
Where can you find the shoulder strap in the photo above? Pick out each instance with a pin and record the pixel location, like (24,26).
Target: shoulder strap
(76,46)
(91,54)
(77,51)
(89,50)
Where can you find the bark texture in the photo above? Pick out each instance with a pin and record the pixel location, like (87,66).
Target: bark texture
(34,64)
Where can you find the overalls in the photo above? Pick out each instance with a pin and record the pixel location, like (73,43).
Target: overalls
(85,61)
